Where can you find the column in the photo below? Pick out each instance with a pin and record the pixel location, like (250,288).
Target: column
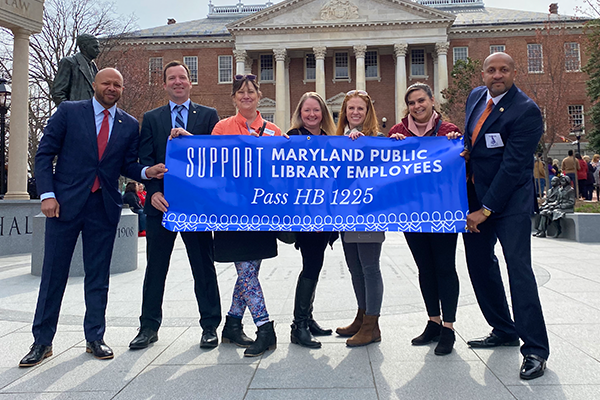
(288,116)
(280,84)
(320,70)
(359,53)
(400,50)
(240,61)
(436,90)
(17,148)
(441,49)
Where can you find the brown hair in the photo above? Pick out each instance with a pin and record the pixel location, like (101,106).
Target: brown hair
(239,80)
(419,86)
(370,124)
(175,63)
(327,123)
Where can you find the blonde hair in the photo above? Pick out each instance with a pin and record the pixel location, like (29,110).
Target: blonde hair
(586,158)
(327,124)
(370,125)
(596,158)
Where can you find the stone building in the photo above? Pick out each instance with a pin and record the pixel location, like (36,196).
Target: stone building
(333,46)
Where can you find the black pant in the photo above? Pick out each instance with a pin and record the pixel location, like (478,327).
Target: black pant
(312,245)
(514,233)
(159,246)
(435,256)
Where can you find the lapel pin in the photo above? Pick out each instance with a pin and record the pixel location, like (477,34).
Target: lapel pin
(119,121)
(194,111)
(501,109)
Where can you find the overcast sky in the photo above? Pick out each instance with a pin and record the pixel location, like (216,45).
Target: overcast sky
(152,13)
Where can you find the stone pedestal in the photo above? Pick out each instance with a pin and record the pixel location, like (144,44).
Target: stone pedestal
(16,225)
(125,251)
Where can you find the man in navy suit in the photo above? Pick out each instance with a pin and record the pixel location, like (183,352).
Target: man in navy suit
(94,142)
(503,128)
(183,117)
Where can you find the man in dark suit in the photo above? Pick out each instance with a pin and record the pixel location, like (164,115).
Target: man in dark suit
(184,117)
(503,128)
(75,74)
(94,143)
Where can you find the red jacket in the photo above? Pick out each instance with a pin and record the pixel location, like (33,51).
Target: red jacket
(402,128)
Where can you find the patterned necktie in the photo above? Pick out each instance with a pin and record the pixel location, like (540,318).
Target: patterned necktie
(178,117)
(102,142)
(486,113)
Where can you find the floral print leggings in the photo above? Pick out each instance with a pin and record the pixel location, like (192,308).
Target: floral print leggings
(248,293)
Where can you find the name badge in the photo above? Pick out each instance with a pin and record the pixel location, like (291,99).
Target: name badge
(269,132)
(493,140)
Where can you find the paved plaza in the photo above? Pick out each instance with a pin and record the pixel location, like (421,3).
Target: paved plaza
(175,367)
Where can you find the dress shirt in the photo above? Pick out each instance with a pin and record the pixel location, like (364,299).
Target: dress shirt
(184,112)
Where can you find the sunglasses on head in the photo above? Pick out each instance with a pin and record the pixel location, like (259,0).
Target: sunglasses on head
(248,77)
(360,92)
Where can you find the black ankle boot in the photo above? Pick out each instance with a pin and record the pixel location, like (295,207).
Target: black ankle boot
(430,334)
(316,329)
(265,340)
(301,334)
(233,332)
(446,342)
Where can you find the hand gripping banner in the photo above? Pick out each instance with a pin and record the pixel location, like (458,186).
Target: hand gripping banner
(315,183)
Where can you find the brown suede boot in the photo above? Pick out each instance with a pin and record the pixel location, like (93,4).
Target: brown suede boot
(353,328)
(369,332)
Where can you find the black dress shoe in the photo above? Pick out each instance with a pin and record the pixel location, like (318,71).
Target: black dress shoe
(99,349)
(533,367)
(492,340)
(143,339)
(36,355)
(209,339)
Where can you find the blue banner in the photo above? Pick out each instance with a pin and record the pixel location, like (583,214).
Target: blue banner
(315,183)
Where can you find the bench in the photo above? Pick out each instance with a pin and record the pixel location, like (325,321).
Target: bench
(581,227)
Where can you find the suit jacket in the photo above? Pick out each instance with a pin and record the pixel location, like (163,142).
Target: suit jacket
(73,80)
(503,175)
(156,128)
(71,135)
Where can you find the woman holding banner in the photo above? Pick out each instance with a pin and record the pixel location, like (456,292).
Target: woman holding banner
(311,117)
(434,253)
(362,250)
(247,249)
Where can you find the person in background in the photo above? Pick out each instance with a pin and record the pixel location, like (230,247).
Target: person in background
(434,253)
(539,174)
(358,118)
(596,165)
(133,201)
(589,181)
(570,166)
(552,169)
(311,117)
(141,192)
(581,175)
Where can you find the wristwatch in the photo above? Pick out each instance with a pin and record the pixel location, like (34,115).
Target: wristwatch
(486,212)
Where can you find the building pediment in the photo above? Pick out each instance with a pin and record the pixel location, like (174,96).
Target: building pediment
(302,14)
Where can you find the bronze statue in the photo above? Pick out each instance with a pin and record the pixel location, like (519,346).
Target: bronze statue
(73,80)
(554,210)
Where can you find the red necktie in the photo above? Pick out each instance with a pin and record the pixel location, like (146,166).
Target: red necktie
(102,142)
(486,113)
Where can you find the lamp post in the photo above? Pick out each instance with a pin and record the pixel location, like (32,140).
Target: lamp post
(383,121)
(577,132)
(4,105)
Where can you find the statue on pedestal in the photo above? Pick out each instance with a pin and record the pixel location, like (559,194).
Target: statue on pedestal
(555,207)
(73,80)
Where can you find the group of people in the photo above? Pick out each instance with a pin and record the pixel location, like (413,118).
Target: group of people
(582,171)
(502,130)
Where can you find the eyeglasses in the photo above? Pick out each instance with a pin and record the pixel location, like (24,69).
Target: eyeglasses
(360,92)
(248,77)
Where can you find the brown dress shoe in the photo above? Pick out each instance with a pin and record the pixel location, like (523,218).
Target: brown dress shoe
(36,355)
(354,327)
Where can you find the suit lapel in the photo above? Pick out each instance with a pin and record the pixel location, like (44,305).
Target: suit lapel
(497,111)
(470,113)
(192,117)
(89,121)
(165,121)
(84,67)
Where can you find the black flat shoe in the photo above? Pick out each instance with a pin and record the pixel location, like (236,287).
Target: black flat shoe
(430,334)
(143,339)
(533,367)
(37,354)
(209,339)
(492,340)
(99,349)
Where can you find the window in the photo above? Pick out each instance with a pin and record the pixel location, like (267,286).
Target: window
(268,117)
(342,70)
(417,62)
(192,63)
(576,116)
(225,69)
(266,67)
(535,63)
(497,48)
(310,67)
(460,53)
(371,64)
(572,59)
(155,66)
